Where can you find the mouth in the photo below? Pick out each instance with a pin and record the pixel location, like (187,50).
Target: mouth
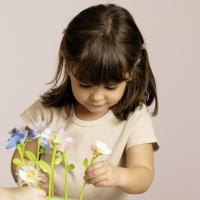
(98,105)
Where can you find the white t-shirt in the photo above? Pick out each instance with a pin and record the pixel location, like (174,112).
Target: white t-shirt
(119,135)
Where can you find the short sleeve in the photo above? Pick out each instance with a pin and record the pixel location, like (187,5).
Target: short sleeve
(35,113)
(141,129)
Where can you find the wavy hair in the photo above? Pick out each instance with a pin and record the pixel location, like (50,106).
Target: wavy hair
(101,45)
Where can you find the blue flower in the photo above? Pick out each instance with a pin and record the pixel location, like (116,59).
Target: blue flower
(32,133)
(18,136)
(46,144)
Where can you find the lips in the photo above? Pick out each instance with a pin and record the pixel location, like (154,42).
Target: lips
(97,105)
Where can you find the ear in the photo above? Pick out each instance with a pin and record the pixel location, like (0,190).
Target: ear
(67,68)
(62,54)
(67,71)
(129,76)
(137,61)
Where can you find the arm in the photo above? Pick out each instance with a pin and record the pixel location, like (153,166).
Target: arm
(24,193)
(138,174)
(135,178)
(5,194)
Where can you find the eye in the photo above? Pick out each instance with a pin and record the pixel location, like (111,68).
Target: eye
(82,85)
(111,87)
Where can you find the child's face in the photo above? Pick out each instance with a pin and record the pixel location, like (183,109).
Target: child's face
(96,99)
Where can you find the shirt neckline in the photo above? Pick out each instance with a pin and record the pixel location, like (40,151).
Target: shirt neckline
(95,122)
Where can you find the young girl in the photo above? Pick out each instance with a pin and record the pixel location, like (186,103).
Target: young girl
(102,88)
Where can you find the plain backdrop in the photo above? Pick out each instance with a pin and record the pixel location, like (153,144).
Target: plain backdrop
(30,35)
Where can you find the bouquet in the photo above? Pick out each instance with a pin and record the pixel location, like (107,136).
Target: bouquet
(33,171)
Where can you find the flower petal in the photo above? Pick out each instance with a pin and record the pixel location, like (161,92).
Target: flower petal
(100,147)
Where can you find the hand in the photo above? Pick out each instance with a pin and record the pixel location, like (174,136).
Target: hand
(102,174)
(28,193)
(45,184)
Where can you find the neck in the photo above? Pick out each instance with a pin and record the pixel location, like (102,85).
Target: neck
(83,114)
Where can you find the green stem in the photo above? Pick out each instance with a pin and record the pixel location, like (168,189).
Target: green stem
(52,189)
(51,171)
(23,145)
(82,191)
(37,186)
(19,148)
(93,159)
(64,155)
(38,148)
(84,185)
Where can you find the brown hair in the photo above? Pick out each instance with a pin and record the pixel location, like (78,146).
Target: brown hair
(101,44)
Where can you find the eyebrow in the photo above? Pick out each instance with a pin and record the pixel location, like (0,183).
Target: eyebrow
(91,84)
(111,83)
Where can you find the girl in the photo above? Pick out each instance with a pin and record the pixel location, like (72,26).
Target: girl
(101,91)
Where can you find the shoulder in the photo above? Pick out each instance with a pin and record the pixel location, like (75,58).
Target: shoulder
(37,113)
(140,128)
(141,113)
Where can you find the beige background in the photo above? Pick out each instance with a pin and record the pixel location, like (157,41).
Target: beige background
(30,33)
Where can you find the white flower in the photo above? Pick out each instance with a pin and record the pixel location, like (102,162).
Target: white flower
(65,145)
(58,137)
(100,148)
(30,175)
(39,127)
(47,134)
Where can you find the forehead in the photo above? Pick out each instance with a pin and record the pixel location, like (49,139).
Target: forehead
(108,83)
(99,75)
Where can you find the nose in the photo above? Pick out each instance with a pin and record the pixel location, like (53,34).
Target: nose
(97,96)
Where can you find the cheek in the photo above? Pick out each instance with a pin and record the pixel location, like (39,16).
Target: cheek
(121,91)
(79,94)
(115,97)
(75,92)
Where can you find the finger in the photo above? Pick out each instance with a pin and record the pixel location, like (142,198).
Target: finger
(44,187)
(102,184)
(95,173)
(97,180)
(42,193)
(95,166)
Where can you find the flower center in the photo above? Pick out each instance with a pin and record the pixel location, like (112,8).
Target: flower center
(31,174)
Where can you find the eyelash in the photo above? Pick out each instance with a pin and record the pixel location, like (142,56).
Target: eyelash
(84,86)
(111,88)
(89,86)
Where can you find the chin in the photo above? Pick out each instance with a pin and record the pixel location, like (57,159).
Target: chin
(97,109)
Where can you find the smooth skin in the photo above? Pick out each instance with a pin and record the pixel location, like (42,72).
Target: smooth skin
(24,193)
(92,103)
(137,176)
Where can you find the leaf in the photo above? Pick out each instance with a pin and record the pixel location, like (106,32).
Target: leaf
(30,155)
(42,150)
(32,163)
(58,160)
(85,163)
(18,162)
(70,167)
(44,166)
